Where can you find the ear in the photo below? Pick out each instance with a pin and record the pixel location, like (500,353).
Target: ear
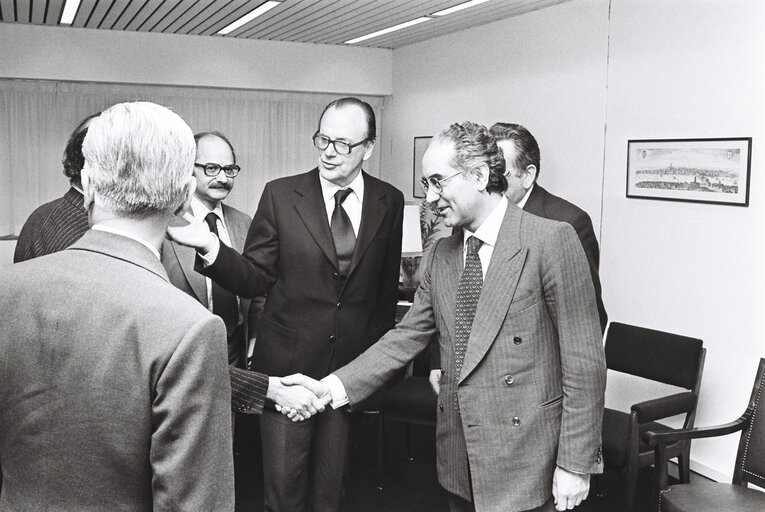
(529,176)
(481,176)
(191,187)
(86,190)
(368,151)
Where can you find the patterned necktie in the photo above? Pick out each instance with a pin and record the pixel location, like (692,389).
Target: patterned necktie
(468,290)
(224,302)
(342,232)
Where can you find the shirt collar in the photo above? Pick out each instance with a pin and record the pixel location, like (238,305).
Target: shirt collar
(200,211)
(120,232)
(525,197)
(489,230)
(329,189)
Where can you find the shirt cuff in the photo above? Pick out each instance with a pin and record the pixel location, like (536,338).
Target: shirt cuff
(337,390)
(209,258)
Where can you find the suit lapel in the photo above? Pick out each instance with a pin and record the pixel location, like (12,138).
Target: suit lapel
(448,270)
(310,208)
(237,231)
(498,289)
(186,258)
(373,212)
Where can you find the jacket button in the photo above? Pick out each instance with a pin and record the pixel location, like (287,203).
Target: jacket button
(508,380)
(517,340)
(516,421)
(335,276)
(332,339)
(339,305)
(441,407)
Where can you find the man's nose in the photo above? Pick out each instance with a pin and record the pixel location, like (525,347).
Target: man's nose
(330,149)
(432,196)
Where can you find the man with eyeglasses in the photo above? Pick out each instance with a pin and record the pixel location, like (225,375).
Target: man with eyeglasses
(326,247)
(509,301)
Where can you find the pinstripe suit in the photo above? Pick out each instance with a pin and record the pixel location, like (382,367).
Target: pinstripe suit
(52,227)
(531,387)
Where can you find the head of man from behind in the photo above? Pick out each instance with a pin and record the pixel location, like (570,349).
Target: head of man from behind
(138,167)
(345,139)
(521,158)
(464,174)
(215,168)
(73,160)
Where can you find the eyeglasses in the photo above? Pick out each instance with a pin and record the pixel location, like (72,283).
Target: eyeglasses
(213,170)
(436,184)
(342,148)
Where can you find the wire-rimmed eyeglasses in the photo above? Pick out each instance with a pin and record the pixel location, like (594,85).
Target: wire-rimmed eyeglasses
(436,184)
(341,147)
(213,170)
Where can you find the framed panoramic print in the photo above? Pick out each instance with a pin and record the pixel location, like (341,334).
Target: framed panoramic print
(420,145)
(699,170)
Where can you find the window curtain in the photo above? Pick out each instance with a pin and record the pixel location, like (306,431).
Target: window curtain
(270,131)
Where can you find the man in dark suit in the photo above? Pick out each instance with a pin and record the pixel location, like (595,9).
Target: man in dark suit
(326,247)
(510,303)
(114,389)
(56,225)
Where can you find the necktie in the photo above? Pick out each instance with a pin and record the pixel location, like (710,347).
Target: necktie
(342,233)
(223,302)
(468,290)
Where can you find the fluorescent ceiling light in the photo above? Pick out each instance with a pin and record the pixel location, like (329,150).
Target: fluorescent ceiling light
(458,7)
(248,17)
(70,9)
(387,30)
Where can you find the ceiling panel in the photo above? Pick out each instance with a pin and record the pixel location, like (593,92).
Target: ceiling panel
(308,21)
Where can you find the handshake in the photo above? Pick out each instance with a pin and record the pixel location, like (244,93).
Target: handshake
(297,396)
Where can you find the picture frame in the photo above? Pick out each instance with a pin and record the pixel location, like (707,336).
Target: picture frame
(420,145)
(714,171)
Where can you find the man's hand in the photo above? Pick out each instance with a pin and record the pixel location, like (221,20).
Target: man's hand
(569,489)
(435,380)
(318,388)
(295,401)
(195,234)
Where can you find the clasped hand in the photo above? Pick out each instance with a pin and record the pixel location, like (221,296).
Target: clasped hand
(297,396)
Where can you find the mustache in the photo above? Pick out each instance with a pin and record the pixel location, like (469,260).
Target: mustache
(224,186)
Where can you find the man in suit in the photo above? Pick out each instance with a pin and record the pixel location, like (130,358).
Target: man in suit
(521,402)
(326,247)
(215,172)
(113,383)
(56,225)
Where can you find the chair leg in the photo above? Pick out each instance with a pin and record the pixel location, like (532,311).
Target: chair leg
(409,442)
(631,485)
(683,463)
(380,449)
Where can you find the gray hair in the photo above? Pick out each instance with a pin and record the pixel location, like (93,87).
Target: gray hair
(138,159)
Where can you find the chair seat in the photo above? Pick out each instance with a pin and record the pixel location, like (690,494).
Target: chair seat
(412,399)
(705,496)
(616,433)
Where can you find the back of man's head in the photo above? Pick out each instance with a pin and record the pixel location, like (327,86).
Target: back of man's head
(139,159)
(527,149)
(474,145)
(73,160)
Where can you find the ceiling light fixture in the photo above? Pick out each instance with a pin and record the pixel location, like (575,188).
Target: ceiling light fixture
(387,30)
(70,10)
(458,7)
(267,6)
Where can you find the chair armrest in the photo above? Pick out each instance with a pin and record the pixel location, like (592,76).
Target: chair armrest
(665,407)
(656,438)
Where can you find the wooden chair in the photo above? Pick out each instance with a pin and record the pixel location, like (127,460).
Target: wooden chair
(662,357)
(702,495)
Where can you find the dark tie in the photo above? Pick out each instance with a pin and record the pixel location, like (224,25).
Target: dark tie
(342,233)
(224,302)
(468,290)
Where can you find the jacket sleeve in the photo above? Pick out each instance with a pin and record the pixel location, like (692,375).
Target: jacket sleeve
(248,390)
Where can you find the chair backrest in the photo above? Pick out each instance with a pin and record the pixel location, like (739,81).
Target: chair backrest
(656,355)
(750,460)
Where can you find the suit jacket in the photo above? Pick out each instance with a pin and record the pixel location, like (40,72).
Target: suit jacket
(544,204)
(248,389)
(52,227)
(113,386)
(532,384)
(314,319)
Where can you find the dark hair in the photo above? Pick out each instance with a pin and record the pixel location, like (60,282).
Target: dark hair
(527,149)
(474,145)
(363,105)
(73,160)
(222,137)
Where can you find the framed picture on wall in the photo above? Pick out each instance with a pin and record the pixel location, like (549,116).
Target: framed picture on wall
(697,170)
(420,145)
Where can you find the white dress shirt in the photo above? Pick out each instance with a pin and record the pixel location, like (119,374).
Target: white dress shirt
(352,203)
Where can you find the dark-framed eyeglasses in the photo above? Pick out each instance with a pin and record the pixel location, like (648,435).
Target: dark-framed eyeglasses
(341,147)
(213,170)
(436,184)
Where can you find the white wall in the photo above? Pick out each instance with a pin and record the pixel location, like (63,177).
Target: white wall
(64,53)
(585,76)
